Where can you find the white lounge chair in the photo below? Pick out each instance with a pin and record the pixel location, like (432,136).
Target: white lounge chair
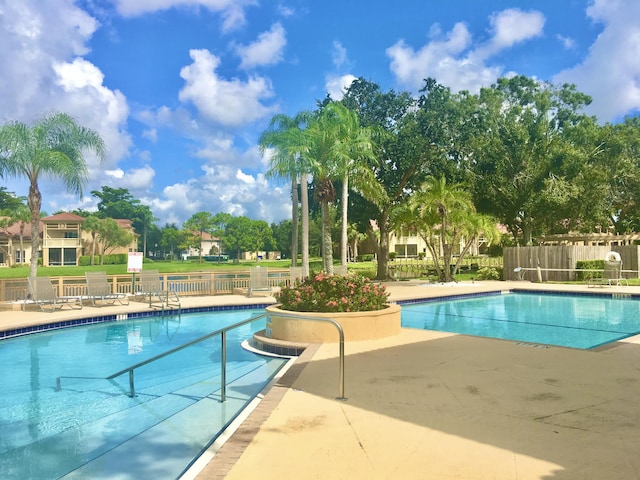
(340,270)
(295,274)
(612,274)
(259,281)
(99,289)
(151,286)
(43,294)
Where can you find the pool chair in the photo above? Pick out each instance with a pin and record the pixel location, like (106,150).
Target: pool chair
(151,286)
(340,270)
(43,294)
(296,274)
(99,290)
(612,274)
(258,281)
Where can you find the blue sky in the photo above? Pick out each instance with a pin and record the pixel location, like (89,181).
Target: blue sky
(181,89)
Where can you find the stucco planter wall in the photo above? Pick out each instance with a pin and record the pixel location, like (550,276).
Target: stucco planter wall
(356,325)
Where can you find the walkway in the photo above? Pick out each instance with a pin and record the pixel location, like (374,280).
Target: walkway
(430,405)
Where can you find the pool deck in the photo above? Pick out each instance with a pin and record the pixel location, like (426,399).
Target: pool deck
(432,405)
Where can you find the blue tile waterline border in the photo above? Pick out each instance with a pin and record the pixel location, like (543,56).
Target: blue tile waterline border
(17,332)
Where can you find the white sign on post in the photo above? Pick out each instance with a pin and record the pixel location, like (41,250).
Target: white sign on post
(134,264)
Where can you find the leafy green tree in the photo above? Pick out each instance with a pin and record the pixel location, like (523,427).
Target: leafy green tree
(282,237)
(8,200)
(199,223)
(171,238)
(110,236)
(52,147)
(237,236)
(528,154)
(92,224)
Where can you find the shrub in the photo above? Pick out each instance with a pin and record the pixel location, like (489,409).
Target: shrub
(488,273)
(588,265)
(333,293)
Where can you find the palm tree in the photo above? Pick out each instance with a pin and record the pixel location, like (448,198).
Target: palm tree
(337,150)
(52,147)
(444,215)
(285,135)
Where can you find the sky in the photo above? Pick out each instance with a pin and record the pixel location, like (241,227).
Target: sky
(180,90)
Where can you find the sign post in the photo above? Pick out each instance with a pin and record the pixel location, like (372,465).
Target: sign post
(134,265)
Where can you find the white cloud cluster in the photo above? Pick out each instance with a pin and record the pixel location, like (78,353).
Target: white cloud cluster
(452,60)
(266,50)
(223,188)
(43,71)
(226,102)
(232,11)
(610,72)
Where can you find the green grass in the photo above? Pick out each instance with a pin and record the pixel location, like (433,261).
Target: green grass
(364,268)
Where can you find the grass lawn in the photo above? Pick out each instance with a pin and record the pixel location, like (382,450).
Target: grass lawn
(364,268)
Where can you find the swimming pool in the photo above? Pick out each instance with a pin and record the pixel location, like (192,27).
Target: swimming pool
(584,321)
(91,428)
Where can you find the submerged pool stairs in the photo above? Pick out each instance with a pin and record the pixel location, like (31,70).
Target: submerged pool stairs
(156,434)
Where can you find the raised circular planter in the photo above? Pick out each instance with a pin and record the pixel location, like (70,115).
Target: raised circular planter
(369,325)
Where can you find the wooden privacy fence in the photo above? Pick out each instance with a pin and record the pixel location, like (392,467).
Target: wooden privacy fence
(558,263)
(184,284)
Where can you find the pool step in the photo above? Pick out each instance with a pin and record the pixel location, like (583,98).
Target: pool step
(145,413)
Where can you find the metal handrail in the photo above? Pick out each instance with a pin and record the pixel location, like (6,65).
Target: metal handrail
(223,355)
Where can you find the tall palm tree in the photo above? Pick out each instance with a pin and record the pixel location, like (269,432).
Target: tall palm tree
(52,147)
(285,135)
(338,149)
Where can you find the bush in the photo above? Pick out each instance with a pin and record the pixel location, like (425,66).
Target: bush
(114,259)
(367,257)
(333,293)
(588,265)
(488,273)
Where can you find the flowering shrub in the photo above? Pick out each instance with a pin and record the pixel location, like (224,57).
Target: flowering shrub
(325,293)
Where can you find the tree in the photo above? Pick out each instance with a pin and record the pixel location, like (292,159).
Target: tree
(110,236)
(92,224)
(238,236)
(444,216)
(52,147)
(285,135)
(199,223)
(530,151)
(8,200)
(402,156)
(171,238)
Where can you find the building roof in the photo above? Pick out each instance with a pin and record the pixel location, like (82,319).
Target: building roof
(64,217)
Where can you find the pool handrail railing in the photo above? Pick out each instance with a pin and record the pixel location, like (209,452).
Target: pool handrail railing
(223,366)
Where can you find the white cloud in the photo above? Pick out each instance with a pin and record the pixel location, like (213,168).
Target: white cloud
(267,50)
(567,42)
(339,54)
(232,11)
(452,61)
(43,71)
(226,102)
(611,70)
(223,188)
(513,26)
(337,85)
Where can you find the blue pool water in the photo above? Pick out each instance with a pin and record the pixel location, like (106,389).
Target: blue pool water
(570,321)
(91,428)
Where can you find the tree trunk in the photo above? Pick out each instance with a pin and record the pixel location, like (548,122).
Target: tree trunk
(345,206)
(35,202)
(305,222)
(327,247)
(294,221)
(383,248)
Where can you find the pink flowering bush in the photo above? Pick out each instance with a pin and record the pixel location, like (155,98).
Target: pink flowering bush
(324,293)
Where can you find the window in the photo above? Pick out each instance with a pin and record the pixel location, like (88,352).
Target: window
(70,234)
(406,250)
